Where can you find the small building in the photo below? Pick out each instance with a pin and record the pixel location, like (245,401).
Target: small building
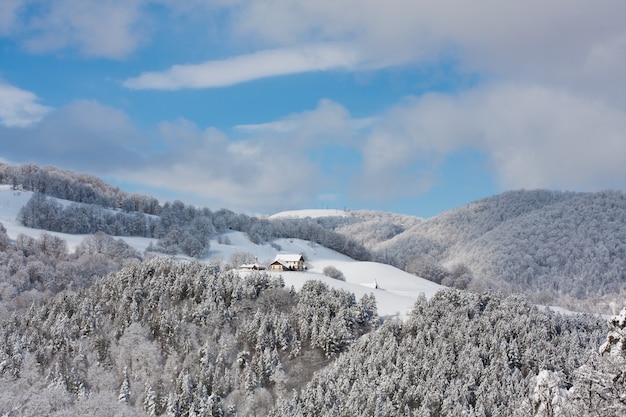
(253,267)
(288,262)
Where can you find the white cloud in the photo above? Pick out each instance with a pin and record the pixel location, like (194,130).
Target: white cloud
(535,137)
(265,170)
(289,125)
(8,11)
(19,108)
(266,63)
(261,171)
(329,122)
(239,175)
(573,44)
(97,28)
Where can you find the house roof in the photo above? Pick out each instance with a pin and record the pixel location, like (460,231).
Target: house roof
(289,257)
(252,266)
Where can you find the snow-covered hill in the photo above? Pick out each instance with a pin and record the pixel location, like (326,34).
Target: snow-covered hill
(561,248)
(11,201)
(394,289)
(310,213)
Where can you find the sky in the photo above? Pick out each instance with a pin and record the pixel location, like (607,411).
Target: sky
(260,106)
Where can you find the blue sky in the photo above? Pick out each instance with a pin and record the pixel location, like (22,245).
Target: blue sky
(260,106)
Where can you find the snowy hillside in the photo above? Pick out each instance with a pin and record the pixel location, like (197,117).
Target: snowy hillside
(396,293)
(558,248)
(396,290)
(311,213)
(12,201)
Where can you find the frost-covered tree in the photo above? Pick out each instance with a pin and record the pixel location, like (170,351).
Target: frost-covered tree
(333,272)
(124,395)
(599,388)
(458,354)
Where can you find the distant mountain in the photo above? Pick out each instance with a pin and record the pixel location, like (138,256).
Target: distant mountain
(558,247)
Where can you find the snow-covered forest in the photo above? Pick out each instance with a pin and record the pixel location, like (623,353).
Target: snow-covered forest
(166,337)
(558,248)
(171,338)
(102,328)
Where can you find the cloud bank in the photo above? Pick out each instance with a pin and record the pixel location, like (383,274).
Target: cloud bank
(532,137)
(563,41)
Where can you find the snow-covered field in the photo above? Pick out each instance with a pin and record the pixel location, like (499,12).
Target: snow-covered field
(312,213)
(394,289)
(396,293)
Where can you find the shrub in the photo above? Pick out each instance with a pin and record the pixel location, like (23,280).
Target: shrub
(332,272)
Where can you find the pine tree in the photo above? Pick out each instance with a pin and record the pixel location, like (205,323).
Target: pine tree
(124,395)
(150,400)
(600,385)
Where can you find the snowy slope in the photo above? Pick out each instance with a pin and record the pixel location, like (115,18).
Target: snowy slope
(396,292)
(312,213)
(12,201)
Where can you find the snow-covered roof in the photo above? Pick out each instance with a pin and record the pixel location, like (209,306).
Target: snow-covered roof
(288,257)
(252,266)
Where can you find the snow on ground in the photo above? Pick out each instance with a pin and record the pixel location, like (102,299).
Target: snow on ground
(312,213)
(396,293)
(11,201)
(396,290)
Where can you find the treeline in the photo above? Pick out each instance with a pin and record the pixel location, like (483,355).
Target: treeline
(176,339)
(178,228)
(34,269)
(72,186)
(41,212)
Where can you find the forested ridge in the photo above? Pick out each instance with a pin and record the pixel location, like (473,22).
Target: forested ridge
(105,330)
(73,186)
(463,354)
(180,228)
(559,248)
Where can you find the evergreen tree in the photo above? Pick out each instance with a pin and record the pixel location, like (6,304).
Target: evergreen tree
(124,395)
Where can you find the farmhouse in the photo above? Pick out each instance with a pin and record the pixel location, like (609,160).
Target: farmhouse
(288,262)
